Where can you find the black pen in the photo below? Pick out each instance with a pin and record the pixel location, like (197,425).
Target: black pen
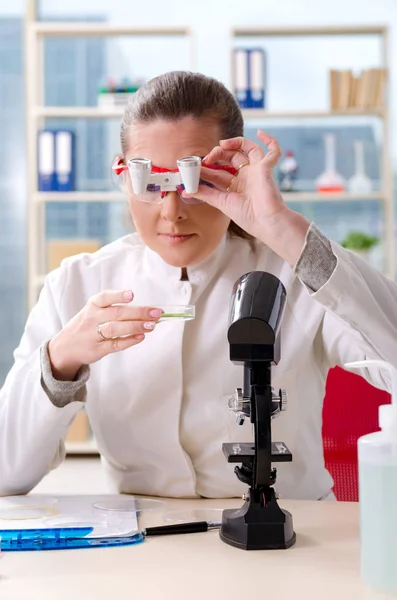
(178,528)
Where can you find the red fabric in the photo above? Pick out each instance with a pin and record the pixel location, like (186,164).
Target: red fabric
(227,168)
(350,411)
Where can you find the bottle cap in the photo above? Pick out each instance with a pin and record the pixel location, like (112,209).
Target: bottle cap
(388,416)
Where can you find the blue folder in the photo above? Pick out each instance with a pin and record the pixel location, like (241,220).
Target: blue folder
(63,538)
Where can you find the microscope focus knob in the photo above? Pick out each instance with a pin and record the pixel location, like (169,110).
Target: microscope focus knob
(237,401)
(240,405)
(283,400)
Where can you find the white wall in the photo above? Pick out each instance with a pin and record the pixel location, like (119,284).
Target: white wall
(297,69)
(12,9)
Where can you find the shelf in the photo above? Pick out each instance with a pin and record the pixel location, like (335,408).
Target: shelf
(308,31)
(102,29)
(78,112)
(96,112)
(87,448)
(323,197)
(79,197)
(119,196)
(259,113)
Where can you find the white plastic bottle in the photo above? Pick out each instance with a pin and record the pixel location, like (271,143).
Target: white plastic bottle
(377,464)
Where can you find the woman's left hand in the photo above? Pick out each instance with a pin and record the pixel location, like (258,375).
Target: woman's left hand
(251,198)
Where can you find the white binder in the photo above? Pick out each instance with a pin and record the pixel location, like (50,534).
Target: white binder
(46,160)
(64,160)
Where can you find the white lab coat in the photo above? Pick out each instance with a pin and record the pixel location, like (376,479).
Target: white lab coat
(159,410)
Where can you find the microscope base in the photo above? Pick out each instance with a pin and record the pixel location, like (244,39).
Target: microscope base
(257,527)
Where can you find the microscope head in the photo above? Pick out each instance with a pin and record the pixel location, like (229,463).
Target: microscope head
(256,309)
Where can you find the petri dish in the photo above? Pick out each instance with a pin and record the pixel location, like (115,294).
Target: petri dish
(27,507)
(27,500)
(102,526)
(20,513)
(129,504)
(175,312)
(211,515)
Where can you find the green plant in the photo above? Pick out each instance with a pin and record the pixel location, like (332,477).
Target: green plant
(357,240)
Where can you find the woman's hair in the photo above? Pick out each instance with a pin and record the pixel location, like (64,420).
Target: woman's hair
(179,94)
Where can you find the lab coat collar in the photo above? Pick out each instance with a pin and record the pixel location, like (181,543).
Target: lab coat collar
(202,272)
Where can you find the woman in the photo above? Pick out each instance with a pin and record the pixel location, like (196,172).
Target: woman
(156,393)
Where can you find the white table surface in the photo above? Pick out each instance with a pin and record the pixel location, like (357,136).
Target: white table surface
(324,563)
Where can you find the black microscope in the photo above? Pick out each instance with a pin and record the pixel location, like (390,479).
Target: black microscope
(256,310)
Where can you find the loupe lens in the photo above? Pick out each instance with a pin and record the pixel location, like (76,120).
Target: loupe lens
(189,161)
(139,163)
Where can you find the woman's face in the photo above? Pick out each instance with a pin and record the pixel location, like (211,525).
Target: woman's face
(182,234)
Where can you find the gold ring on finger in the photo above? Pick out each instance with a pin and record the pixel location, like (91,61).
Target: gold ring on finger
(99,330)
(245,164)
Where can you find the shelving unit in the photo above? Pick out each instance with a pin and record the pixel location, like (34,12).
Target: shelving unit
(385,196)
(37,112)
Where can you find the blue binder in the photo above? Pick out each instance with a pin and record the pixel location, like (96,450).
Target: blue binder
(249,77)
(256,74)
(46,161)
(241,81)
(64,160)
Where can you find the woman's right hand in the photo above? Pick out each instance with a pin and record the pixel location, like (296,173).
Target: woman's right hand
(80,341)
